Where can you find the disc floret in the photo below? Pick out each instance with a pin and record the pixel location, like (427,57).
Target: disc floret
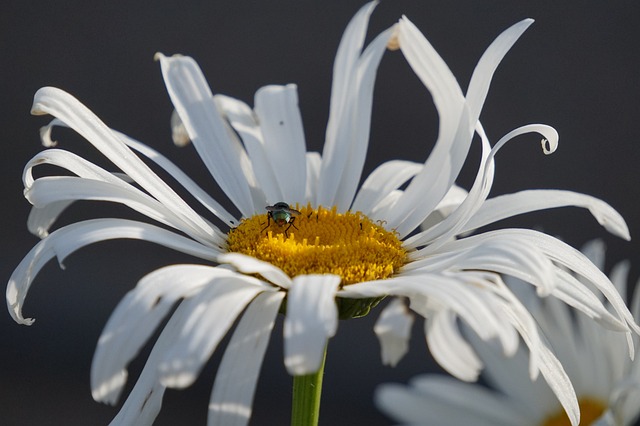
(323,241)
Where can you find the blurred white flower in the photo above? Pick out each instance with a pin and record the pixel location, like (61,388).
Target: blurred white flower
(606,380)
(330,248)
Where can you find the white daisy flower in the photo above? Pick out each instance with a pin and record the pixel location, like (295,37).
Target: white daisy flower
(606,380)
(324,246)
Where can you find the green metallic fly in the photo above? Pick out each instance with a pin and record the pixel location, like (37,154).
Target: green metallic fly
(281,214)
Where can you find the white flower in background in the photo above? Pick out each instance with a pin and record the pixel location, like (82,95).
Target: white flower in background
(330,248)
(605,379)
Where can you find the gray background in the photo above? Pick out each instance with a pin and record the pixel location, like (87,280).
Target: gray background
(576,69)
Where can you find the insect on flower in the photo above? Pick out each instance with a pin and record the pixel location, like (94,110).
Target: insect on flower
(281,214)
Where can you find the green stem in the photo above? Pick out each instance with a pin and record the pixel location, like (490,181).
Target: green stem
(307,391)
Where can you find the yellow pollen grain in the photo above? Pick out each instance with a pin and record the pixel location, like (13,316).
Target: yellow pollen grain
(322,241)
(590,410)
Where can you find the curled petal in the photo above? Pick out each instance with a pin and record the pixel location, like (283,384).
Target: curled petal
(449,348)
(50,100)
(65,241)
(393,329)
(251,265)
(458,118)
(509,205)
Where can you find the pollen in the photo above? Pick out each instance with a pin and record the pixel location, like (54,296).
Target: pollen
(322,241)
(590,410)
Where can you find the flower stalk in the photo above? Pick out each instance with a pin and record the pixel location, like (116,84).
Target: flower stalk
(307,391)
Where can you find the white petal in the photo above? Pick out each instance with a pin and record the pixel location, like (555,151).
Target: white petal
(66,240)
(385,178)
(385,207)
(478,89)
(429,186)
(494,252)
(545,360)
(41,219)
(348,53)
(98,179)
(595,250)
(453,151)
(449,349)
(277,111)
(512,257)
(53,189)
(187,183)
(88,170)
(454,224)
(619,276)
(508,336)
(602,356)
(477,398)
(69,161)
(393,329)
(571,291)
(509,205)
(225,158)
(135,319)
(487,65)
(235,383)
(312,317)
(478,290)
(568,257)
(624,403)
(251,265)
(441,400)
(350,114)
(450,227)
(144,402)
(452,293)
(356,121)
(244,121)
(212,314)
(554,314)
(512,311)
(559,382)
(314,163)
(449,203)
(572,259)
(70,111)
(510,376)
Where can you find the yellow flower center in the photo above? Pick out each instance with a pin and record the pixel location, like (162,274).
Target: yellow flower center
(590,410)
(320,241)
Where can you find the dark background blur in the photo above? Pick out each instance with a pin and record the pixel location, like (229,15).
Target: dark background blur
(577,69)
